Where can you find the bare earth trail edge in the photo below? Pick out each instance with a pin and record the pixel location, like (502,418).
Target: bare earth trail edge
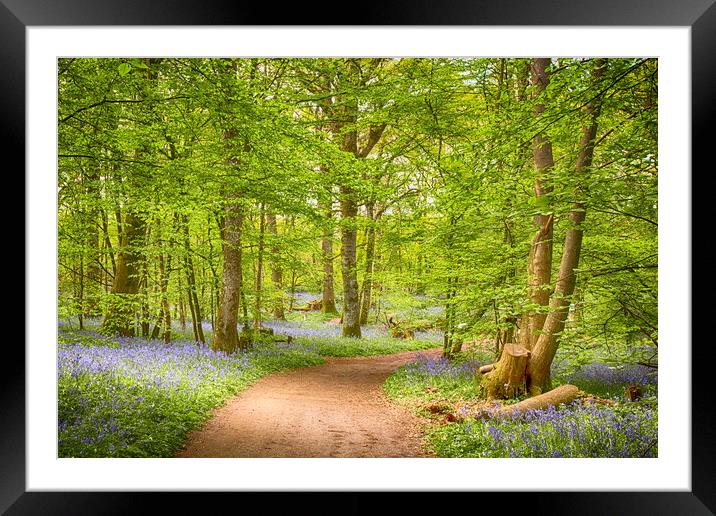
(336,409)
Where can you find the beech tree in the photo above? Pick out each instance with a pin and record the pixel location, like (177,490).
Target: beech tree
(527,366)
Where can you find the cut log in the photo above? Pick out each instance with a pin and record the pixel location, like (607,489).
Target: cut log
(562,394)
(486,368)
(508,378)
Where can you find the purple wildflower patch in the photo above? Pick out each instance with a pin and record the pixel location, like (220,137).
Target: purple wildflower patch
(610,381)
(580,429)
(427,366)
(139,398)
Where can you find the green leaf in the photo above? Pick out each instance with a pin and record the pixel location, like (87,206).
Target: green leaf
(124,68)
(137,63)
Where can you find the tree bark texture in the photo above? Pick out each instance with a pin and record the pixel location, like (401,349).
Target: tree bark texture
(507,379)
(163,284)
(539,269)
(226,336)
(351,306)
(543,329)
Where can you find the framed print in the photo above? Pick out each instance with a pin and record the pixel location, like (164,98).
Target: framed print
(37,39)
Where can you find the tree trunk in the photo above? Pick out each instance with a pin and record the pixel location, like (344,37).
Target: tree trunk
(191,285)
(144,287)
(369,267)
(449,335)
(226,336)
(164,320)
(276,270)
(215,290)
(119,317)
(192,313)
(259,269)
(539,269)
(182,309)
(94,273)
(345,128)
(80,295)
(328,304)
(449,319)
(328,301)
(351,307)
(108,242)
(125,286)
(546,346)
(163,283)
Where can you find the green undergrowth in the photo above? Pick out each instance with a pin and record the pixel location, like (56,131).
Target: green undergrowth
(429,379)
(367,346)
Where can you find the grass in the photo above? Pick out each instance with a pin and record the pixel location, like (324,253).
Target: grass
(448,392)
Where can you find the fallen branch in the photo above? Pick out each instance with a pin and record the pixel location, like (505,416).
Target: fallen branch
(562,394)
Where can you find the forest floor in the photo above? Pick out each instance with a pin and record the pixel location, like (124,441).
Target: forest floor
(337,409)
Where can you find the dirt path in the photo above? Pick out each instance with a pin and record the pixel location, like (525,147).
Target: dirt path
(337,409)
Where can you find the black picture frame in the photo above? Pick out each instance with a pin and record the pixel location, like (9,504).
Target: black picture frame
(699,15)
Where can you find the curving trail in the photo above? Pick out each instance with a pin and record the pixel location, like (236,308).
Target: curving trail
(336,409)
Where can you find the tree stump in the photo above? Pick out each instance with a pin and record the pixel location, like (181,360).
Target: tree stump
(315,305)
(400,333)
(633,392)
(508,378)
(397,331)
